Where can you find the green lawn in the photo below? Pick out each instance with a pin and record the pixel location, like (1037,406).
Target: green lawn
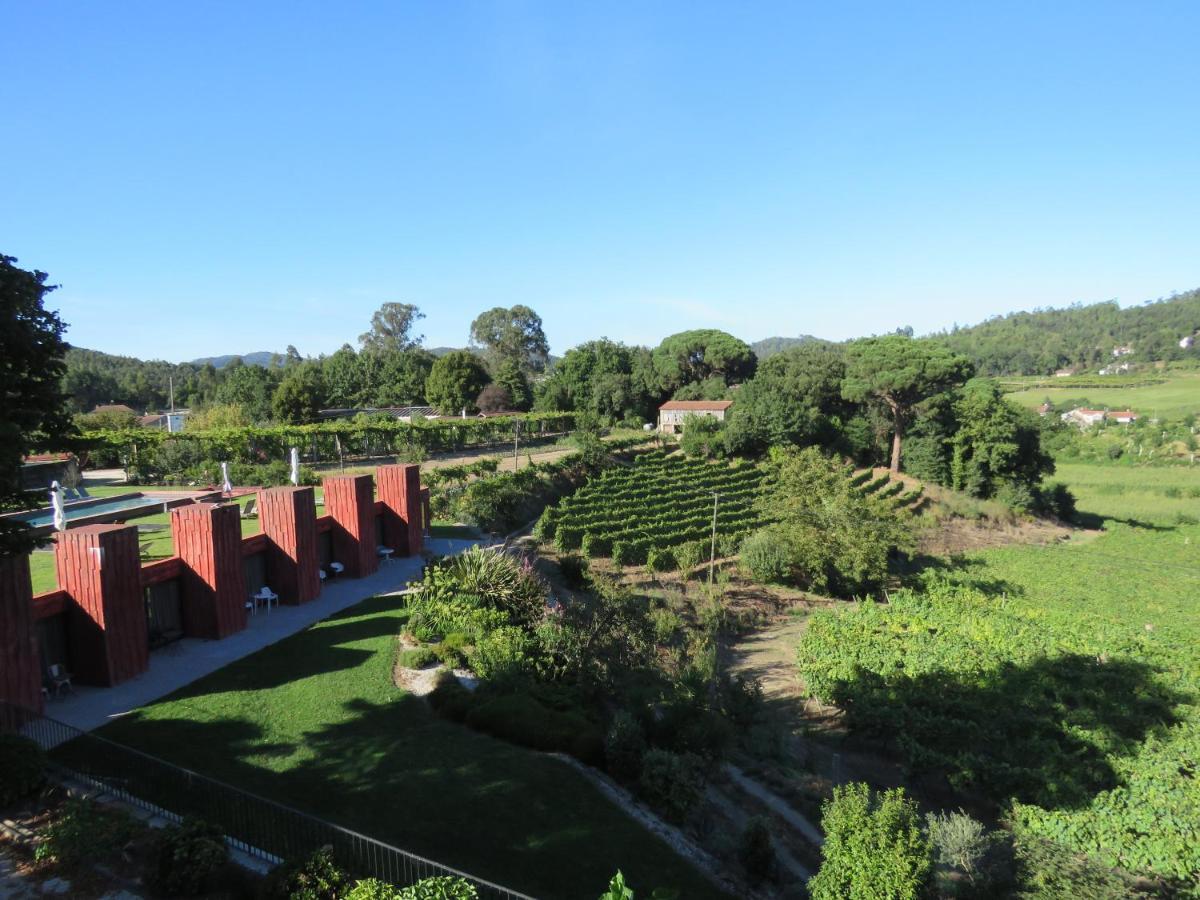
(314,721)
(1177,397)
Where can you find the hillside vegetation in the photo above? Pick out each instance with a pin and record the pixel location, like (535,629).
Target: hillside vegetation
(1042,341)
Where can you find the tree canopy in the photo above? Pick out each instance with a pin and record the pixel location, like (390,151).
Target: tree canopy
(693,356)
(795,398)
(31,371)
(514,335)
(897,372)
(391,328)
(602,377)
(455,381)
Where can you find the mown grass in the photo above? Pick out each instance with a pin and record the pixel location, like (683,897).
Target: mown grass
(315,721)
(1177,397)
(1155,495)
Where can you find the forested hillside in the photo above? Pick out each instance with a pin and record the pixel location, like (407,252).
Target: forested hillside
(1039,342)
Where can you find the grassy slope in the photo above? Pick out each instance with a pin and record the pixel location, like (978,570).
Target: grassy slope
(314,721)
(1178,397)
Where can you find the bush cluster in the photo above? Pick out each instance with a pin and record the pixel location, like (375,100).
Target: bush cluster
(22,768)
(188,856)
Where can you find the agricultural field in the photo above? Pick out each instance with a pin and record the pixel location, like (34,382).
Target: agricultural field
(1056,686)
(643,512)
(1169,395)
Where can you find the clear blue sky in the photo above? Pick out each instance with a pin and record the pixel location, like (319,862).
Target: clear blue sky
(210,178)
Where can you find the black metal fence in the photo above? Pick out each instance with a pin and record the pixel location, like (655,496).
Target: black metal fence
(255,825)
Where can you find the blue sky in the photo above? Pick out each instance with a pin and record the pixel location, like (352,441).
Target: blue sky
(213,178)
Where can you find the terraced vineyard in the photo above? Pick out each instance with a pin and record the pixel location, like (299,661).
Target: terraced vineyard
(643,512)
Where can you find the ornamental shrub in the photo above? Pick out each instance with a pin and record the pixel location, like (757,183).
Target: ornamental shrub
(450,699)
(373,889)
(766,556)
(416,657)
(503,655)
(22,768)
(624,747)
(189,855)
(521,719)
(671,782)
(452,650)
(439,887)
(874,847)
(964,844)
(315,877)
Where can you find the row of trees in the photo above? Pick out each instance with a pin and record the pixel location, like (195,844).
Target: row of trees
(390,368)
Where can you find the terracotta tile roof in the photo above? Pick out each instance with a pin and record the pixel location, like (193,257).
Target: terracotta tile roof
(696,404)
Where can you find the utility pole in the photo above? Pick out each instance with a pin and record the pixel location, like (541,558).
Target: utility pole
(712,551)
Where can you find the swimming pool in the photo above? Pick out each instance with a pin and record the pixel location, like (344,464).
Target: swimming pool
(109,509)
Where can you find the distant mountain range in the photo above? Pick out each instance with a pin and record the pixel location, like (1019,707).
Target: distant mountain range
(772,345)
(258,358)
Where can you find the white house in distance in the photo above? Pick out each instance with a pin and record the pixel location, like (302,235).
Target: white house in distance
(1186,343)
(672,413)
(1085,418)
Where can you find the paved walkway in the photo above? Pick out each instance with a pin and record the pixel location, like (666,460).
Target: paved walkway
(186,660)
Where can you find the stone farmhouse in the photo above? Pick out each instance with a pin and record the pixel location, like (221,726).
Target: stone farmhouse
(1085,418)
(672,413)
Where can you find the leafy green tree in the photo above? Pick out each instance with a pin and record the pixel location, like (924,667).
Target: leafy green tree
(835,539)
(874,848)
(793,398)
(345,380)
(33,412)
(513,380)
(107,418)
(251,388)
(391,328)
(703,436)
(511,335)
(897,373)
(693,356)
(454,382)
(601,377)
(300,395)
(402,377)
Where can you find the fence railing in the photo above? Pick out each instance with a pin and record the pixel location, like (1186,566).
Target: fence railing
(252,824)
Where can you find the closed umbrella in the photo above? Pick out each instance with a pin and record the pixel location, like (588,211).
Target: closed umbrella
(295,466)
(226,485)
(58,501)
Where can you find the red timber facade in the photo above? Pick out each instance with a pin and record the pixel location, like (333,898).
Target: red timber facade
(99,569)
(403,514)
(350,502)
(208,541)
(109,608)
(20,662)
(289,521)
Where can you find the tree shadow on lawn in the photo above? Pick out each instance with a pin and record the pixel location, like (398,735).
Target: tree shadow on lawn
(958,569)
(1096,521)
(398,773)
(1044,733)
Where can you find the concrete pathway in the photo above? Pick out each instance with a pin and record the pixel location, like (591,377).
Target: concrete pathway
(186,660)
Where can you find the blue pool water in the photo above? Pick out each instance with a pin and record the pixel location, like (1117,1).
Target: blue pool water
(44,517)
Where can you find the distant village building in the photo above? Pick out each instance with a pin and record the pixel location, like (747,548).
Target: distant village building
(1122,350)
(1045,409)
(1063,373)
(168,421)
(403,413)
(1188,342)
(114,408)
(672,413)
(1085,418)
(1114,369)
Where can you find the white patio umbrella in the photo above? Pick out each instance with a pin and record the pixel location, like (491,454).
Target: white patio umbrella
(226,485)
(295,466)
(58,501)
